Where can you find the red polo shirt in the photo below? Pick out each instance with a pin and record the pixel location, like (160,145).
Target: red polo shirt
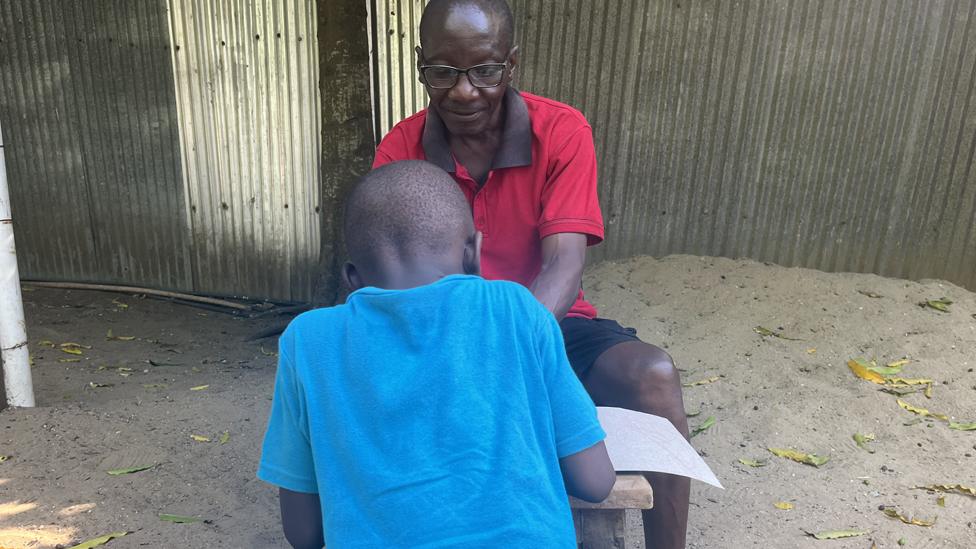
(542,182)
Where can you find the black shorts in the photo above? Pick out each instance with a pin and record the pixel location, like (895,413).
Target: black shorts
(587,339)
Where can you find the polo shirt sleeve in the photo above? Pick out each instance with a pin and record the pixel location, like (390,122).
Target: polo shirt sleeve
(570,203)
(575,422)
(392,148)
(286,457)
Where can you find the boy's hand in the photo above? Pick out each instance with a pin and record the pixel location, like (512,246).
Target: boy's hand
(589,474)
(301,519)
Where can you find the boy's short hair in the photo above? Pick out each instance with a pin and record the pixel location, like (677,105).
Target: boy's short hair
(403,210)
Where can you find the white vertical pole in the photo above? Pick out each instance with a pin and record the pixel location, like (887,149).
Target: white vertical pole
(13,329)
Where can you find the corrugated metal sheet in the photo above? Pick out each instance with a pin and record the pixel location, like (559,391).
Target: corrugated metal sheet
(86,97)
(832,135)
(247,92)
(394,33)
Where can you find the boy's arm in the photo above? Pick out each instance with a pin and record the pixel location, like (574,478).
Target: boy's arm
(587,470)
(589,474)
(301,519)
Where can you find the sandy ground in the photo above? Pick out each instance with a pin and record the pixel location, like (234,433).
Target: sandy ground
(125,403)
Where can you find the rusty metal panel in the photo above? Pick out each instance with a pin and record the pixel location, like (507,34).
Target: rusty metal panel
(86,97)
(394,33)
(249,114)
(832,135)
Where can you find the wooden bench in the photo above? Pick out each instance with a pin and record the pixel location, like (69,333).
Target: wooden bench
(601,525)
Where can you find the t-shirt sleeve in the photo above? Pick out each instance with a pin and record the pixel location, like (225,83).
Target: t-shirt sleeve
(573,413)
(570,203)
(286,456)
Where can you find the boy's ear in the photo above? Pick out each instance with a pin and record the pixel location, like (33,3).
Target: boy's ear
(472,255)
(351,278)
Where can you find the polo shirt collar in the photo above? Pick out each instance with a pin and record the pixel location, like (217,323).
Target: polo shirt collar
(516,146)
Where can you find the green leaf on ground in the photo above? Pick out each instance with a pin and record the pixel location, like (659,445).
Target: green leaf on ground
(101,540)
(861,441)
(704,426)
(962,426)
(753,462)
(941,305)
(179,519)
(224,438)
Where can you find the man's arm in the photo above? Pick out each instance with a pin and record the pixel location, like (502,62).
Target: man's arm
(558,283)
(301,519)
(589,474)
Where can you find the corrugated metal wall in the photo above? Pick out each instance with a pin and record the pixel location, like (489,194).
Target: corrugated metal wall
(95,118)
(833,135)
(86,98)
(247,92)
(394,33)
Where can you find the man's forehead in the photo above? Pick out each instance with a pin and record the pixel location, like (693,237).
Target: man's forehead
(460,22)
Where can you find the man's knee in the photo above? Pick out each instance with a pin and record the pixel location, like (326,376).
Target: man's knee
(658,371)
(651,371)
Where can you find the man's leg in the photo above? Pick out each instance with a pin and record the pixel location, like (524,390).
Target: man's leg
(642,377)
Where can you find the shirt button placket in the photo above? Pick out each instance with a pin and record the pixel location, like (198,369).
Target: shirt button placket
(480,215)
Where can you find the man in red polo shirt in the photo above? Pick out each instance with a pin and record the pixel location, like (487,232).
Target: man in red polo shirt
(528,167)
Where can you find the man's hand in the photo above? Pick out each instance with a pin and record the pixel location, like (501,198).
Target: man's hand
(558,283)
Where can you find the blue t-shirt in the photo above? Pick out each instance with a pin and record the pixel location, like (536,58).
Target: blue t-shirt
(430,417)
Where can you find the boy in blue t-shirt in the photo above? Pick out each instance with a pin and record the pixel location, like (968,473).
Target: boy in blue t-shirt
(434,408)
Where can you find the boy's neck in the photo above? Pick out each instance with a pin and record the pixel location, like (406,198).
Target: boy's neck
(403,276)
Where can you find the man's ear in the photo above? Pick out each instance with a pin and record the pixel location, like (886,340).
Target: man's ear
(513,57)
(472,255)
(420,61)
(351,278)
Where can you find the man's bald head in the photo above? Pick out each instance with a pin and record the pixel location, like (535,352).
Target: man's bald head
(497,12)
(404,211)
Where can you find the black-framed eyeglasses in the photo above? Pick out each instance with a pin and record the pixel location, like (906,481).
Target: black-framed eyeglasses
(443,77)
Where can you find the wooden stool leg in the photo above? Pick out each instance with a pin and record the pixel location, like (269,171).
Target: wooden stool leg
(601,529)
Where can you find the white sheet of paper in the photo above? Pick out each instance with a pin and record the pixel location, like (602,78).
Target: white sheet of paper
(644,443)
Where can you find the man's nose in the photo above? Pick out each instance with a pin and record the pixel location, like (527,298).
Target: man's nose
(463,90)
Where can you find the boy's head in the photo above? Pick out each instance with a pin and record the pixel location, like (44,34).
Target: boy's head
(407,224)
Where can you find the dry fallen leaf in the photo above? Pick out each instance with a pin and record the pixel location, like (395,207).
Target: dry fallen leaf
(110,337)
(893,513)
(130,470)
(766,332)
(702,382)
(837,534)
(958,488)
(801,457)
(921,411)
(860,369)
(199,387)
